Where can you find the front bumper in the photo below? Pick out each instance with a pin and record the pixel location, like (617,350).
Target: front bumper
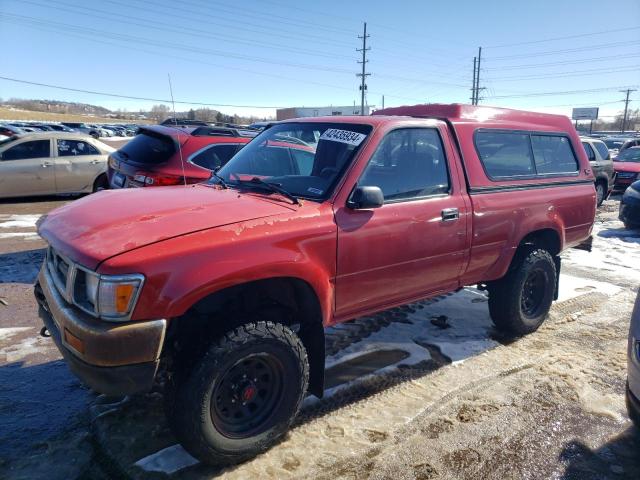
(111,358)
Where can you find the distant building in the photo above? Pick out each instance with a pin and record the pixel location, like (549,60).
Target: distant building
(298,112)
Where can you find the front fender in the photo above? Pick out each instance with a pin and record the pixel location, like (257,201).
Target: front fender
(181,271)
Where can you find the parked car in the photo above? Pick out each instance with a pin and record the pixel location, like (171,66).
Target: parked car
(627,167)
(10,130)
(602,166)
(60,128)
(183,122)
(161,156)
(231,283)
(614,144)
(83,127)
(633,142)
(630,207)
(52,163)
(633,366)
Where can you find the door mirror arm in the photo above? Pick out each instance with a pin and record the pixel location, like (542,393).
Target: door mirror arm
(365,197)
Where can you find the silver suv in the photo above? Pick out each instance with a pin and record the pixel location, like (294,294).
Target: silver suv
(601,164)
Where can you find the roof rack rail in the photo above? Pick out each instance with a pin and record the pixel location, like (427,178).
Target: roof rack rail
(223,132)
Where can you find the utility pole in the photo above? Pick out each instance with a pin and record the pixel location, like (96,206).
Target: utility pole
(383,102)
(364,74)
(626,108)
(473,84)
(478,76)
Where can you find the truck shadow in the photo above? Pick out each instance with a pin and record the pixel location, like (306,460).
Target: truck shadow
(618,458)
(21,267)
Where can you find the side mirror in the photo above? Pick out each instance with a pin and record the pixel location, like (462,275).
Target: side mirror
(366,197)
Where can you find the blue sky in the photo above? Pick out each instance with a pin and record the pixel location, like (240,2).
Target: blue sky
(281,53)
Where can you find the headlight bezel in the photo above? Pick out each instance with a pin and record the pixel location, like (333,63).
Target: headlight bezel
(81,287)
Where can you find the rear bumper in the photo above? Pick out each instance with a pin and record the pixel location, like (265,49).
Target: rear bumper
(111,358)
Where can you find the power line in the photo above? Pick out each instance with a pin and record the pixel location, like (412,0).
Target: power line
(565,74)
(568,50)
(117,95)
(567,92)
(580,35)
(163,26)
(564,62)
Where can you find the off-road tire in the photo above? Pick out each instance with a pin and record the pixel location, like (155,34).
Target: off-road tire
(506,294)
(601,193)
(192,412)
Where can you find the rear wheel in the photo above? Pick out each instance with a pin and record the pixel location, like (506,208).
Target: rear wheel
(520,301)
(600,193)
(242,396)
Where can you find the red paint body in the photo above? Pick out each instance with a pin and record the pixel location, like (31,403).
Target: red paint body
(626,168)
(190,242)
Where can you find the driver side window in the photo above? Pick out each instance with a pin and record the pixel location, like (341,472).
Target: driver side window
(408,164)
(26,150)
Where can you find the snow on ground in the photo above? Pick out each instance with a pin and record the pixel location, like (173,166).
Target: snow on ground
(18,221)
(616,250)
(465,334)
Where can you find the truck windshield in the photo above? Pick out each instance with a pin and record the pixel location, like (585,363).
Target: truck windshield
(305,159)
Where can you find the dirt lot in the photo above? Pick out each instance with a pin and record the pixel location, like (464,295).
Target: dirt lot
(27,115)
(427,391)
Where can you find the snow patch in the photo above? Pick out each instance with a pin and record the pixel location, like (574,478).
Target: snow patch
(168,460)
(11,331)
(18,221)
(571,287)
(25,235)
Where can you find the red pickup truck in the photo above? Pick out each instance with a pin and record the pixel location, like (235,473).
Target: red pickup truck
(226,286)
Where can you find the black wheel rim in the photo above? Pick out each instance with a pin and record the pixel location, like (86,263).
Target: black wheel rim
(533,293)
(247,396)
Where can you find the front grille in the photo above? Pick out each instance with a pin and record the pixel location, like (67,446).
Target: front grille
(69,279)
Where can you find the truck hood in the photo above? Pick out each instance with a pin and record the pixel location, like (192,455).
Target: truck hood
(111,222)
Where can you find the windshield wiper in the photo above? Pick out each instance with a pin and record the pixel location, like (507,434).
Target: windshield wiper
(273,187)
(219,178)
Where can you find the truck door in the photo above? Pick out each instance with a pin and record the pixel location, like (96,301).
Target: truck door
(416,242)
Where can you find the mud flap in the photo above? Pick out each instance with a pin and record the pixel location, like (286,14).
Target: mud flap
(557,260)
(587,245)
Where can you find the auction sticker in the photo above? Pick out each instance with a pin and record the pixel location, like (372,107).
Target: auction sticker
(343,136)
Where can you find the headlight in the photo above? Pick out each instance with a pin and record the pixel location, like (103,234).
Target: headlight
(116,295)
(110,297)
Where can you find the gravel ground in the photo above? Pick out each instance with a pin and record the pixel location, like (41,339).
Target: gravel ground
(426,391)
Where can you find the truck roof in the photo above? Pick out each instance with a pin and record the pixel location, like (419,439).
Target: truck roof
(457,113)
(463,113)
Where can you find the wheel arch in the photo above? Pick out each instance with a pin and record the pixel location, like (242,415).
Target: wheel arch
(291,301)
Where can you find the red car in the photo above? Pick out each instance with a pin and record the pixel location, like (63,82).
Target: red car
(162,156)
(228,285)
(627,167)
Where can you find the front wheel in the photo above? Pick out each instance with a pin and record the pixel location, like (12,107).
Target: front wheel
(520,301)
(242,396)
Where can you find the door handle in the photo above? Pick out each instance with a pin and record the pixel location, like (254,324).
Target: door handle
(450,214)
(94,161)
(47,164)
